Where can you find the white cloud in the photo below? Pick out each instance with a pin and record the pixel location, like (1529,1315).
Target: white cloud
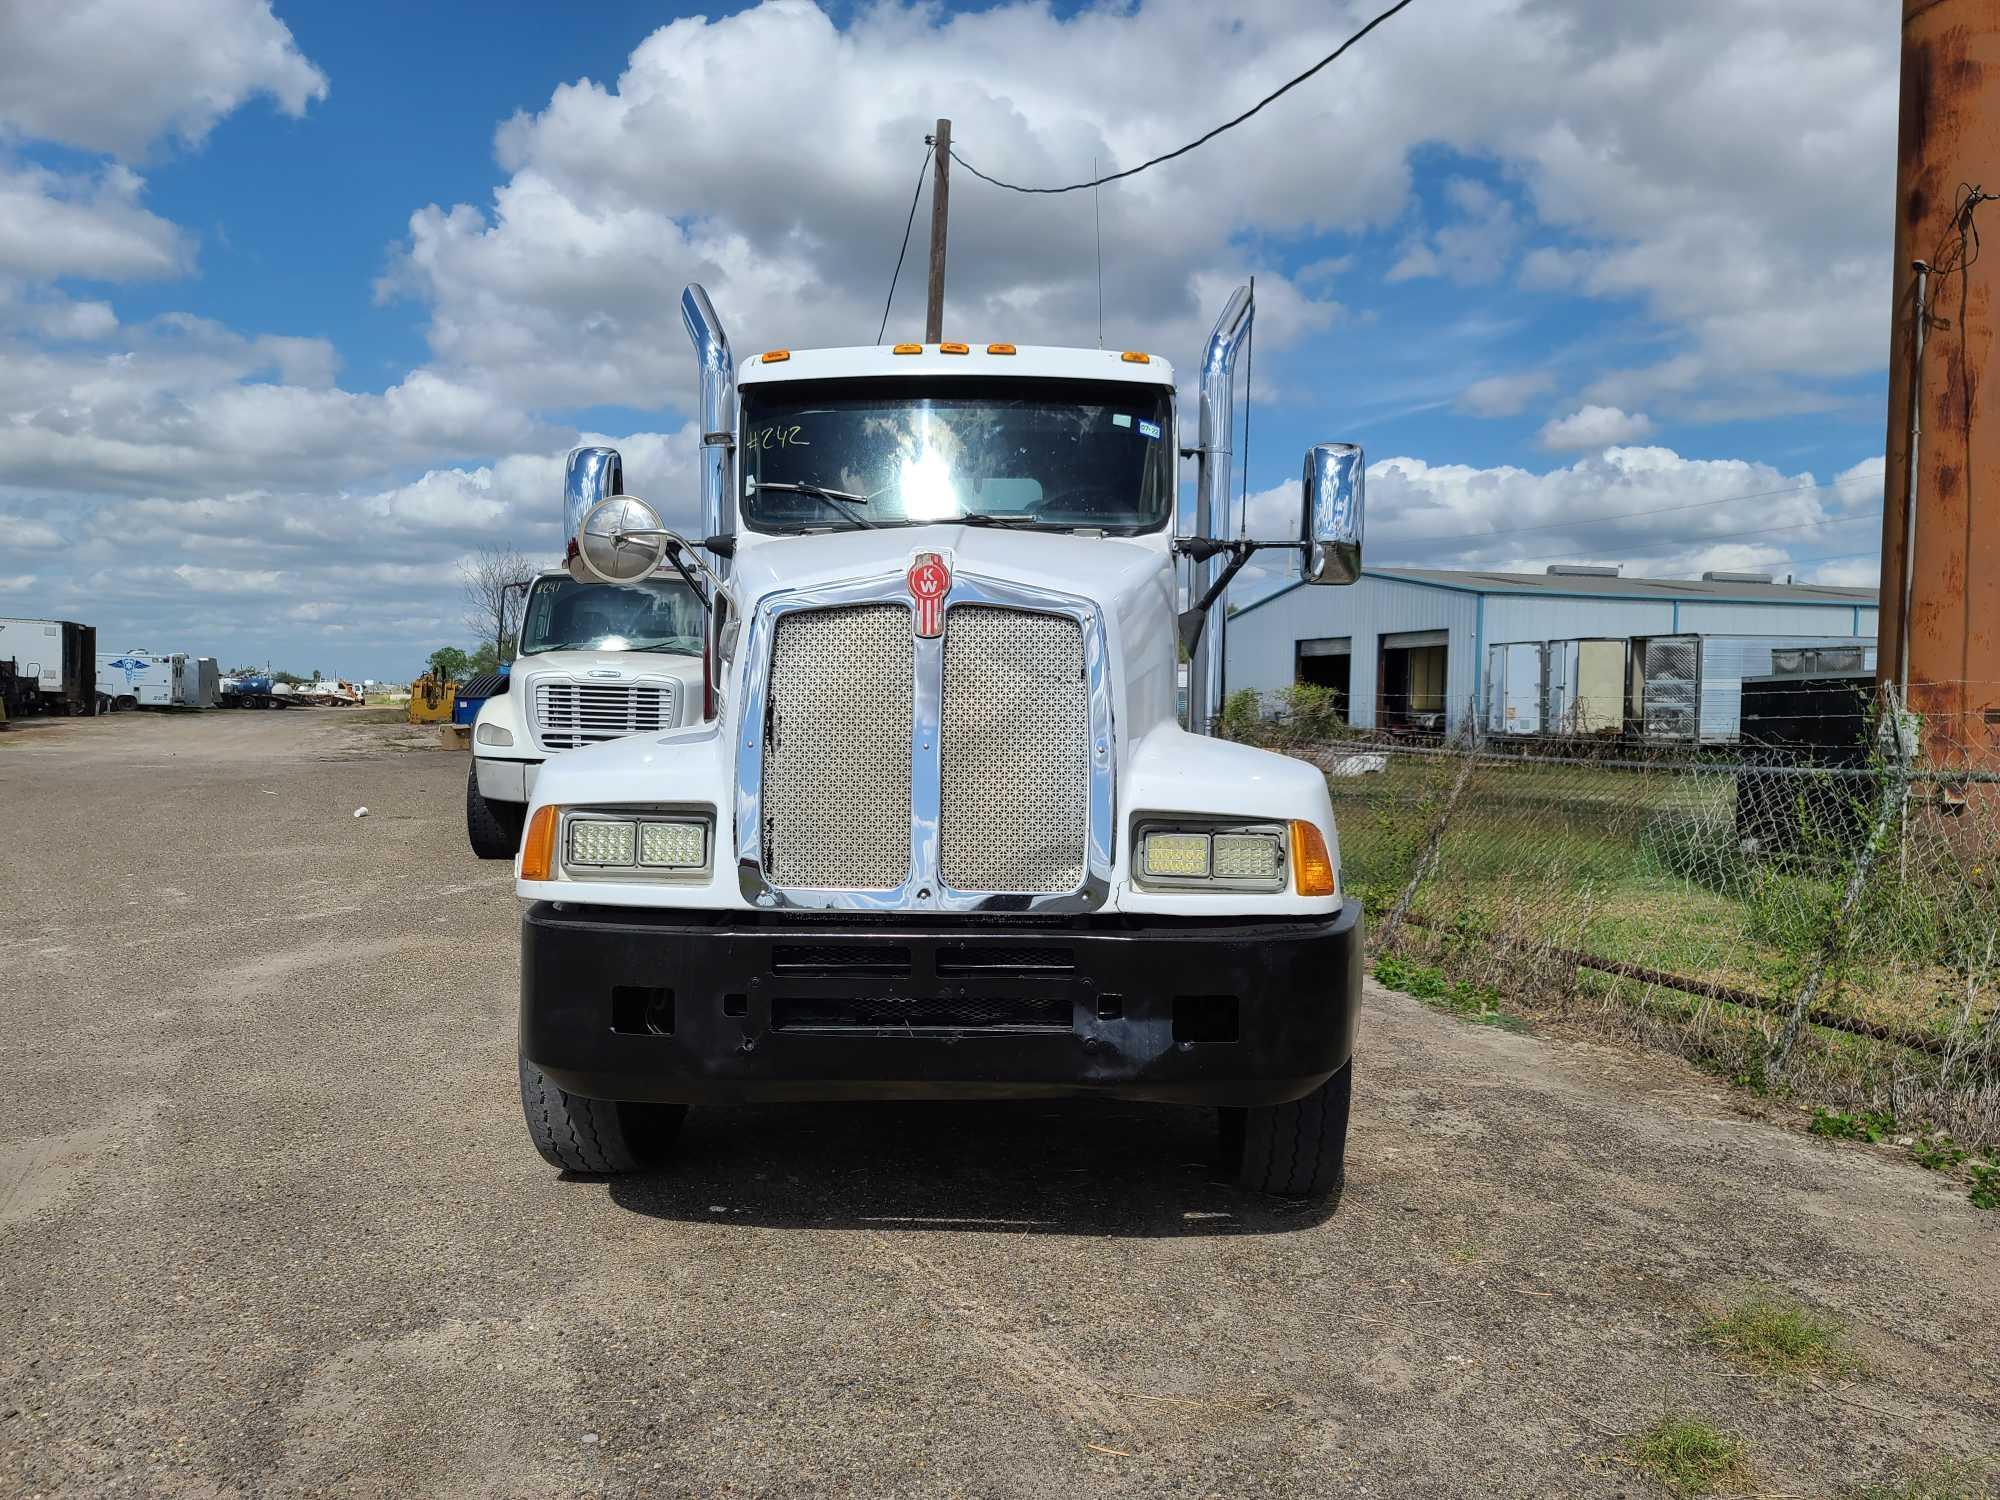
(55,224)
(1504,395)
(1595,427)
(16,583)
(117,75)
(1473,248)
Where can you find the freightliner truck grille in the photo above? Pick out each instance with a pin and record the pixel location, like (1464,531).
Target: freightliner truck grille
(1012,744)
(569,714)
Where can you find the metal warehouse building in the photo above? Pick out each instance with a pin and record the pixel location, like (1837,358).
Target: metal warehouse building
(1408,642)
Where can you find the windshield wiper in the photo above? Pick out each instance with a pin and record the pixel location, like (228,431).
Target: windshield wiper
(839,500)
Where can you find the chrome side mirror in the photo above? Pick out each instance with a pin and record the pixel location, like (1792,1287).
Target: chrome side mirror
(589,475)
(621,540)
(1330,516)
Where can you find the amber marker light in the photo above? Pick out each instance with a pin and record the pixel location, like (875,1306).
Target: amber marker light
(999,348)
(954,349)
(1134,357)
(1312,867)
(538,849)
(776,356)
(908,349)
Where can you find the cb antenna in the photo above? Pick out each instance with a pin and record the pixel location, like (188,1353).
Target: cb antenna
(1098,215)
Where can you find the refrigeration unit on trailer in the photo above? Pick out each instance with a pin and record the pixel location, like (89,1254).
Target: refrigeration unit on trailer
(59,658)
(1515,687)
(1688,689)
(596,661)
(1586,686)
(935,832)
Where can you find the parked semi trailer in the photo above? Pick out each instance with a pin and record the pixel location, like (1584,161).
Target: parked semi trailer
(937,833)
(55,665)
(1688,689)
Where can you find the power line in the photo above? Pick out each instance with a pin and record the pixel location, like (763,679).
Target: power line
(1014,187)
(922,172)
(1658,510)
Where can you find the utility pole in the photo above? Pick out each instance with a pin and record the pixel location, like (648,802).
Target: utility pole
(940,212)
(1940,604)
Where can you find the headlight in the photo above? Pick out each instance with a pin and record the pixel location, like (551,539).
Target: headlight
(664,845)
(493,734)
(1220,856)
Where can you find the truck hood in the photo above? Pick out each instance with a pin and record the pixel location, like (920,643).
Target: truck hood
(1102,568)
(608,666)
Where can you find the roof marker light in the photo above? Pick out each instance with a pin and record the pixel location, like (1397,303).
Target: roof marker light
(999,348)
(1134,357)
(776,356)
(953,349)
(908,349)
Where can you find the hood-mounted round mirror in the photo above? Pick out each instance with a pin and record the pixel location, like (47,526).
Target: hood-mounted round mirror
(620,541)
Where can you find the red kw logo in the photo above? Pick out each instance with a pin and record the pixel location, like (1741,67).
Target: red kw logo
(930,581)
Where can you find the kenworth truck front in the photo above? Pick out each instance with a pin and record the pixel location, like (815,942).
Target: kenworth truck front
(941,835)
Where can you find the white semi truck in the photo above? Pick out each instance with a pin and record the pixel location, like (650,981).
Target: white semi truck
(596,660)
(939,834)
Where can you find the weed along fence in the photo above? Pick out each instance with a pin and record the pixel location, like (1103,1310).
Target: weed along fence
(1831,930)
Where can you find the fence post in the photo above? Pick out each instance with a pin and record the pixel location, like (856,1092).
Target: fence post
(1433,842)
(1890,800)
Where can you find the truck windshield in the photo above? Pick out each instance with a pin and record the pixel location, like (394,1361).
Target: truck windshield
(659,614)
(1067,454)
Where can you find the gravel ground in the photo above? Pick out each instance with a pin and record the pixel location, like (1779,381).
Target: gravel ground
(270,1222)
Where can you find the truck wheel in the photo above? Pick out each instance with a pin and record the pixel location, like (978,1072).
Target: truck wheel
(1296,1150)
(595,1135)
(493,827)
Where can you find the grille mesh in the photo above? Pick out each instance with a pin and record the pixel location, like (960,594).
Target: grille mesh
(837,749)
(930,1012)
(1015,732)
(569,714)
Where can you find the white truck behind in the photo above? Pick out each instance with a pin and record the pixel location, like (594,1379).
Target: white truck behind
(595,661)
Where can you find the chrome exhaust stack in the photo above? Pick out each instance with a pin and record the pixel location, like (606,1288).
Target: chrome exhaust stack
(718,417)
(1211,502)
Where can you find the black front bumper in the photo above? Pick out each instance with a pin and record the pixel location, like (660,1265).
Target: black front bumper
(729,1007)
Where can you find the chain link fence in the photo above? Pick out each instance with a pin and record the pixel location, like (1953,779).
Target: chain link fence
(1829,930)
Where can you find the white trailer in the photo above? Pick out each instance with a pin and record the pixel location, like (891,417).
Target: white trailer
(1516,684)
(1586,686)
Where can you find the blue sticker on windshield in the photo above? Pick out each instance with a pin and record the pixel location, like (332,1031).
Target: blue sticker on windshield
(1150,429)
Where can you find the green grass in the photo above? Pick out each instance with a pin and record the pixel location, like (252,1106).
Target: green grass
(1947,1481)
(1781,1338)
(1986,1183)
(1478,1003)
(1690,1456)
(1870,1126)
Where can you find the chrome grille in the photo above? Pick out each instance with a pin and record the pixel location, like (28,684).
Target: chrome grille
(569,714)
(1014,809)
(836,795)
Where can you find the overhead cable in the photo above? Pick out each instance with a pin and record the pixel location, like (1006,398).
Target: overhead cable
(922,173)
(1015,187)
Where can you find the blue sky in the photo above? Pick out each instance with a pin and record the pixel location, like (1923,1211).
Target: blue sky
(304,302)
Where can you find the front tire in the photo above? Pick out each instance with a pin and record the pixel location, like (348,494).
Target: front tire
(494,828)
(595,1135)
(1295,1150)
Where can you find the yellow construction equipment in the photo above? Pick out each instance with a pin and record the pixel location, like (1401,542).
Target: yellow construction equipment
(431,700)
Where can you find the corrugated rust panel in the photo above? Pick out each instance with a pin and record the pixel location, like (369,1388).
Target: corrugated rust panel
(1949,135)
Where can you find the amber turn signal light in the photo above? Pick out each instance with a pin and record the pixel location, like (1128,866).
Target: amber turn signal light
(1312,867)
(538,849)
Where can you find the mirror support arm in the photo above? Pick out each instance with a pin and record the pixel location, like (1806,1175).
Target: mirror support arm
(1191,621)
(681,553)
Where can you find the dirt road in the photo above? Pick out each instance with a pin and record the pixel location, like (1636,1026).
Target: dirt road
(269,1221)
